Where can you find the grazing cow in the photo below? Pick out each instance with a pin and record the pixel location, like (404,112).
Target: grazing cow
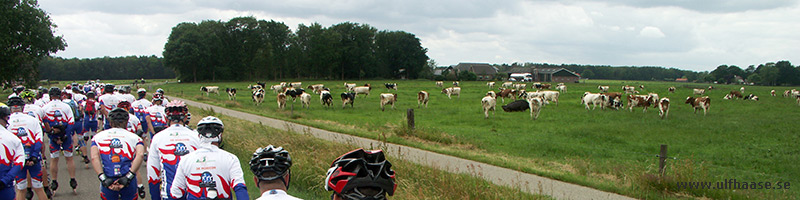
(362,90)
(751,97)
(488,103)
(772,92)
(507,93)
(507,84)
(629,89)
(422,99)
(231,93)
(593,98)
(663,107)
(258,96)
(387,98)
(522,94)
(296,84)
(516,106)
(283,84)
(255,87)
(349,86)
(536,85)
(699,91)
(711,87)
(699,103)
(452,91)
(549,96)
(541,86)
(305,100)
(535,104)
(671,89)
(603,88)
(614,100)
(490,84)
(210,89)
(562,88)
(456,83)
(390,86)
(294,92)
(639,101)
(326,98)
(316,88)
(786,93)
(348,98)
(281,101)
(492,93)
(741,90)
(734,94)
(520,86)
(641,87)
(277,88)
(439,84)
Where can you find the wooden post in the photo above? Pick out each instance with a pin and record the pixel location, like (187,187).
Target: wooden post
(662,158)
(410,118)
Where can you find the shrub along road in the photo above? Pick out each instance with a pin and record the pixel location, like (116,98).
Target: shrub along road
(502,176)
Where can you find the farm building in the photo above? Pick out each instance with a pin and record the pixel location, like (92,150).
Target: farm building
(547,74)
(483,70)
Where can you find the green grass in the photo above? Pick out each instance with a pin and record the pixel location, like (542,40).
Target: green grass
(311,158)
(610,150)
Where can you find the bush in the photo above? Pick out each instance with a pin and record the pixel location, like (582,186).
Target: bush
(467,76)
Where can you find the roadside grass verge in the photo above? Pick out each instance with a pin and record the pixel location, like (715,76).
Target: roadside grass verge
(312,157)
(605,149)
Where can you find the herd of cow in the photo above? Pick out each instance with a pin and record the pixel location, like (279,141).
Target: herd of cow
(533,100)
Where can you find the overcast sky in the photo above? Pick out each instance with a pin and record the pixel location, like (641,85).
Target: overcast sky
(685,34)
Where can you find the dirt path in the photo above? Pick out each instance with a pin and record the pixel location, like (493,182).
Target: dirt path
(502,176)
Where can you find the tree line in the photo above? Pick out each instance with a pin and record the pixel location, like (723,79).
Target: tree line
(105,68)
(246,48)
(780,73)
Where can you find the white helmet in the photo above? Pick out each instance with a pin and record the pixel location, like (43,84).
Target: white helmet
(210,129)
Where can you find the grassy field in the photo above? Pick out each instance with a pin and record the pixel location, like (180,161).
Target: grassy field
(610,150)
(308,172)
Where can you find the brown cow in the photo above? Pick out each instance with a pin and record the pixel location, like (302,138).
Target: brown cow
(733,94)
(639,101)
(663,107)
(611,103)
(699,102)
(507,93)
(422,99)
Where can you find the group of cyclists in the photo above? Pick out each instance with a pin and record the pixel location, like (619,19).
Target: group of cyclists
(181,163)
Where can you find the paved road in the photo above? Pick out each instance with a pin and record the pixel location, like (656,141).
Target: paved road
(498,175)
(88,185)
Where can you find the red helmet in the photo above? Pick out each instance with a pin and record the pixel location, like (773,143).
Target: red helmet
(176,111)
(125,105)
(361,169)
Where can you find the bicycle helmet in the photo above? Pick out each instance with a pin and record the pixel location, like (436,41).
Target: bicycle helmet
(361,169)
(119,115)
(177,111)
(210,129)
(66,95)
(19,89)
(108,88)
(5,111)
(141,93)
(91,95)
(16,101)
(28,96)
(271,163)
(125,105)
(54,93)
(160,91)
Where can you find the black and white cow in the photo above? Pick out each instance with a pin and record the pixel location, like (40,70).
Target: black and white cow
(348,98)
(231,93)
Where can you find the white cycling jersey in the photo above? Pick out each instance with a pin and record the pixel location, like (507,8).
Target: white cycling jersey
(208,172)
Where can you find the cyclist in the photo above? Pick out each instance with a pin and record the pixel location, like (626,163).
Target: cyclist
(160,92)
(89,122)
(140,108)
(272,174)
(219,171)
(157,117)
(12,155)
(113,160)
(361,174)
(125,93)
(58,120)
(29,131)
(167,148)
(108,101)
(38,113)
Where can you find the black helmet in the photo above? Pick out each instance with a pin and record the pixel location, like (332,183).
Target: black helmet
(360,169)
(118,115)
(271,159)
(177,111)
(19,89)
(15,101)
(91,94)
(54,93)
(109,88)
(4,112)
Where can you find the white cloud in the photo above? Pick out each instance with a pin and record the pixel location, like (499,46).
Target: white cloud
(683,34)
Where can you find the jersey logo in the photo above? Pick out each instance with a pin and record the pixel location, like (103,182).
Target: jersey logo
(115,143)
(180,149)
(21,132)
(207,180)
(57,114)
(32,114)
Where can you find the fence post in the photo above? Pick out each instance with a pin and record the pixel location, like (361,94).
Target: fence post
(410,118)
(662,158)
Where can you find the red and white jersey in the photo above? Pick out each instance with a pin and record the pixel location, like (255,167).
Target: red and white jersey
(34,111)
(12,150)
(27,128)
(133,124)
(78,98)
(139,106)
(43,101)
(117,150)
(158,115)
(108,101)
(58,112)
(276,195)
(165,152)
(207,167)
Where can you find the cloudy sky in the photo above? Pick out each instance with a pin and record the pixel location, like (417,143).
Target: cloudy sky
(685,34)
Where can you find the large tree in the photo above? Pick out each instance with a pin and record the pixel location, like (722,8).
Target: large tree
(26,36)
